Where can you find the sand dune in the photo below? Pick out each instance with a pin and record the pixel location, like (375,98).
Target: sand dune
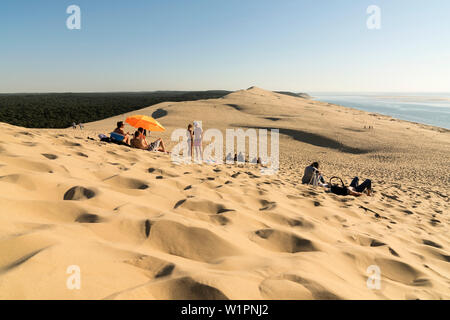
(142,227)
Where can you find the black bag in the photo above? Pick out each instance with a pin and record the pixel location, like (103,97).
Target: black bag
(340,190)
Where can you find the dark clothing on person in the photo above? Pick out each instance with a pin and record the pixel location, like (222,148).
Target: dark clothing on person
(367,184)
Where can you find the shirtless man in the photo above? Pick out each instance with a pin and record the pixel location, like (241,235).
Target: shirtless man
(138,143)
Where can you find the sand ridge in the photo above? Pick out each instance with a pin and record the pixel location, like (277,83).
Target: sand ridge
(142,227)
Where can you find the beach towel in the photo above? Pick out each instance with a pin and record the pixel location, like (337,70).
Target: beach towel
(117,137)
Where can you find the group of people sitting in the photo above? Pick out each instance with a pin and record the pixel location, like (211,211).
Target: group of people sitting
(313,176)
(139,139)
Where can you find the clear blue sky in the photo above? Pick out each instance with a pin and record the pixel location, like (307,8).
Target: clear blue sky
(299,45)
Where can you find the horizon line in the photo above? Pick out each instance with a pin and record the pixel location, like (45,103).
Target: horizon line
(205,90)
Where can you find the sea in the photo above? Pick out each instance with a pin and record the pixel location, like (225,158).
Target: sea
(426,108)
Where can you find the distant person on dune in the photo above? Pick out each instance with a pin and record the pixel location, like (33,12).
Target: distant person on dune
(198,139)
(157,145)
(190,140)
(119,130)
(313,176)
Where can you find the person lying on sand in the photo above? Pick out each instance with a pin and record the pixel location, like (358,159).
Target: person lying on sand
(119,130)
(313,176)
(357,188)
(354,189)
(157,145)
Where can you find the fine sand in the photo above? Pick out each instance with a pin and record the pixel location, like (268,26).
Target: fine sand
(141,227)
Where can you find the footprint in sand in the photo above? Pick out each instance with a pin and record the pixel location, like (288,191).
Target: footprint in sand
(288,221)
(179,203)
(20,260)
(376,243)
(431,244)
(127,183)
(81,154)
(50,156)
(184,288)
(29,144)
(318,291)
(71,144)
(393,252)
(205,206)
(88,218)
(147,227)
(189,242)
(434,222)
(220,220)
(401,272)
(267,205)
(282,241)
(252,175)
(78,193)
(365,241)
(155,268)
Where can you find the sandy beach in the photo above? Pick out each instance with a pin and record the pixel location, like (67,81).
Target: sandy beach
(141,227)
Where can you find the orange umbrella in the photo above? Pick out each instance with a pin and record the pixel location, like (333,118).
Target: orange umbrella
(145,122)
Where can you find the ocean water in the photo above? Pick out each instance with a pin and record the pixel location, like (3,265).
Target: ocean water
(426,108)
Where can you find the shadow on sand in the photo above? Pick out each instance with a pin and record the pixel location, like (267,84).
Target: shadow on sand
(315,140)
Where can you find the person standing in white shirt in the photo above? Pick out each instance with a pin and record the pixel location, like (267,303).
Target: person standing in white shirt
(198,139)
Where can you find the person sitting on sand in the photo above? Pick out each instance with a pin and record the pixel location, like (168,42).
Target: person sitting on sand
(143,136)
(157,145)
(312,175)
(119,130)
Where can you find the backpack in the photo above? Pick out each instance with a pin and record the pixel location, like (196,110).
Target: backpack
(335,188)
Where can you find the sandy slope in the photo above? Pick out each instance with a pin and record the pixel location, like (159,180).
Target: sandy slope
(142,227)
